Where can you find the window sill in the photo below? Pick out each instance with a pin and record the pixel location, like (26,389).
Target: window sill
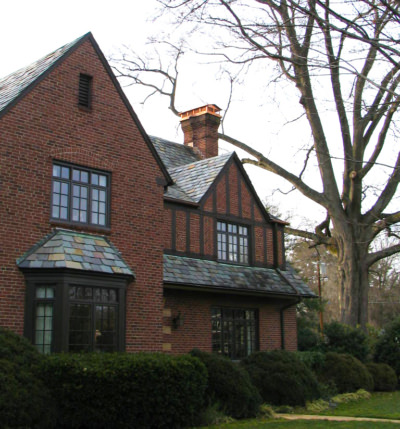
(80,226)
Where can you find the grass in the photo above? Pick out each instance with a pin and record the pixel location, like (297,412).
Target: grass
(380,406)
(303,424)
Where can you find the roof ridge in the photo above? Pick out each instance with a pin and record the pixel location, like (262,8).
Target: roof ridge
(205,160)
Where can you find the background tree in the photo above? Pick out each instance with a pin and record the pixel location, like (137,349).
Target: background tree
(343,60)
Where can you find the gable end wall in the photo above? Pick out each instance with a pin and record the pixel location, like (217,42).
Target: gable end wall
(46,125)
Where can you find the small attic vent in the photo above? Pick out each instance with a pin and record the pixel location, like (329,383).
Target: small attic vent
(85,86)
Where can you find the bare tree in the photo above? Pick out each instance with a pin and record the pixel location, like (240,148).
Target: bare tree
(351,48)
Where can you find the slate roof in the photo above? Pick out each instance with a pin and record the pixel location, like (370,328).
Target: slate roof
(191,175)
(16,83)
(78,251)
(179,270)
(194,179)
(174,154)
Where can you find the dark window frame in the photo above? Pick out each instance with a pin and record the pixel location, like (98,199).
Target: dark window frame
(61,281)
(45,301)
(226,237)
(64,189)
(224,337)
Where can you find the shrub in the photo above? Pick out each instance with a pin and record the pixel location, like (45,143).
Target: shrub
(387,349)
(24,400)
(126,390)
(342,338)
(385,378)
(346,372)
(308,339)
(281,378)
(229,386)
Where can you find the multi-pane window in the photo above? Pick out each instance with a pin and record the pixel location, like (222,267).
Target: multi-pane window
(43,319)
(93,315)
(234,331)
(80,195)
(233,242)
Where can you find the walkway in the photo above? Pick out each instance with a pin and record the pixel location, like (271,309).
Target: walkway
(334,418)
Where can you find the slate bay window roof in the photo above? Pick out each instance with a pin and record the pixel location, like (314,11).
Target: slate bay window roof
(77,251)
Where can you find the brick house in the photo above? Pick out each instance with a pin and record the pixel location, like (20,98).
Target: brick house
(112,240)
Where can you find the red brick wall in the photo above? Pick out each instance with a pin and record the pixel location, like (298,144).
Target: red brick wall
(46,125)
(195,308)
(239,200)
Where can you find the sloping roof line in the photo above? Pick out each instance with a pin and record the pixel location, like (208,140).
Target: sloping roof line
(76,251)
(195,273)
(181,161)
(16,85)
(196,179)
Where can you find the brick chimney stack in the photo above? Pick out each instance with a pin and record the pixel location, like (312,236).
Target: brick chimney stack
(200,129)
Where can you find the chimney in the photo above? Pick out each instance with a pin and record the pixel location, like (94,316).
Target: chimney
(200,129)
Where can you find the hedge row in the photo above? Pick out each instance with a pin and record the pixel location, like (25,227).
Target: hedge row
(125,390)
(160,391)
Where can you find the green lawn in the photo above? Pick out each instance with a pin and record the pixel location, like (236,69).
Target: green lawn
(380,406)
(303,424)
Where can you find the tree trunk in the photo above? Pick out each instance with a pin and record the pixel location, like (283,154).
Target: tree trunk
(353,278)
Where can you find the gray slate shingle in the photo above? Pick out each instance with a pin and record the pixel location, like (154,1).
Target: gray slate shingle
(15,83)
(192,175)
(181,270)
(78,251)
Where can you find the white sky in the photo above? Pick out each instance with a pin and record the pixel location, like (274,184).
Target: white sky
(31,29)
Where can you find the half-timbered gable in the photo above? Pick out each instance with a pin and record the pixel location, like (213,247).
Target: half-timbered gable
(224,261)
(112,241)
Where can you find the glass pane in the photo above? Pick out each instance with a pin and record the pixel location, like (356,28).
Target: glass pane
(76,190)
(40,292)
(56,171)
(57,187)
(39,320)
(113,295)
(102,180)
(65,172)
(64,188)
(102,220)
(75,215)
(76,175)
(102,195)
(84,176)
(64,213)
(95,179)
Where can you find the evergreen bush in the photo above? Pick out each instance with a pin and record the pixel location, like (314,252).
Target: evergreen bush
(24,400)
(281,378)
(119,390)
(229,386)
(342,338)
(346,372)
(385,378)
(387,348)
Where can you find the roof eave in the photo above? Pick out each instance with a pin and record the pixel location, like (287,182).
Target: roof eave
(224,290)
